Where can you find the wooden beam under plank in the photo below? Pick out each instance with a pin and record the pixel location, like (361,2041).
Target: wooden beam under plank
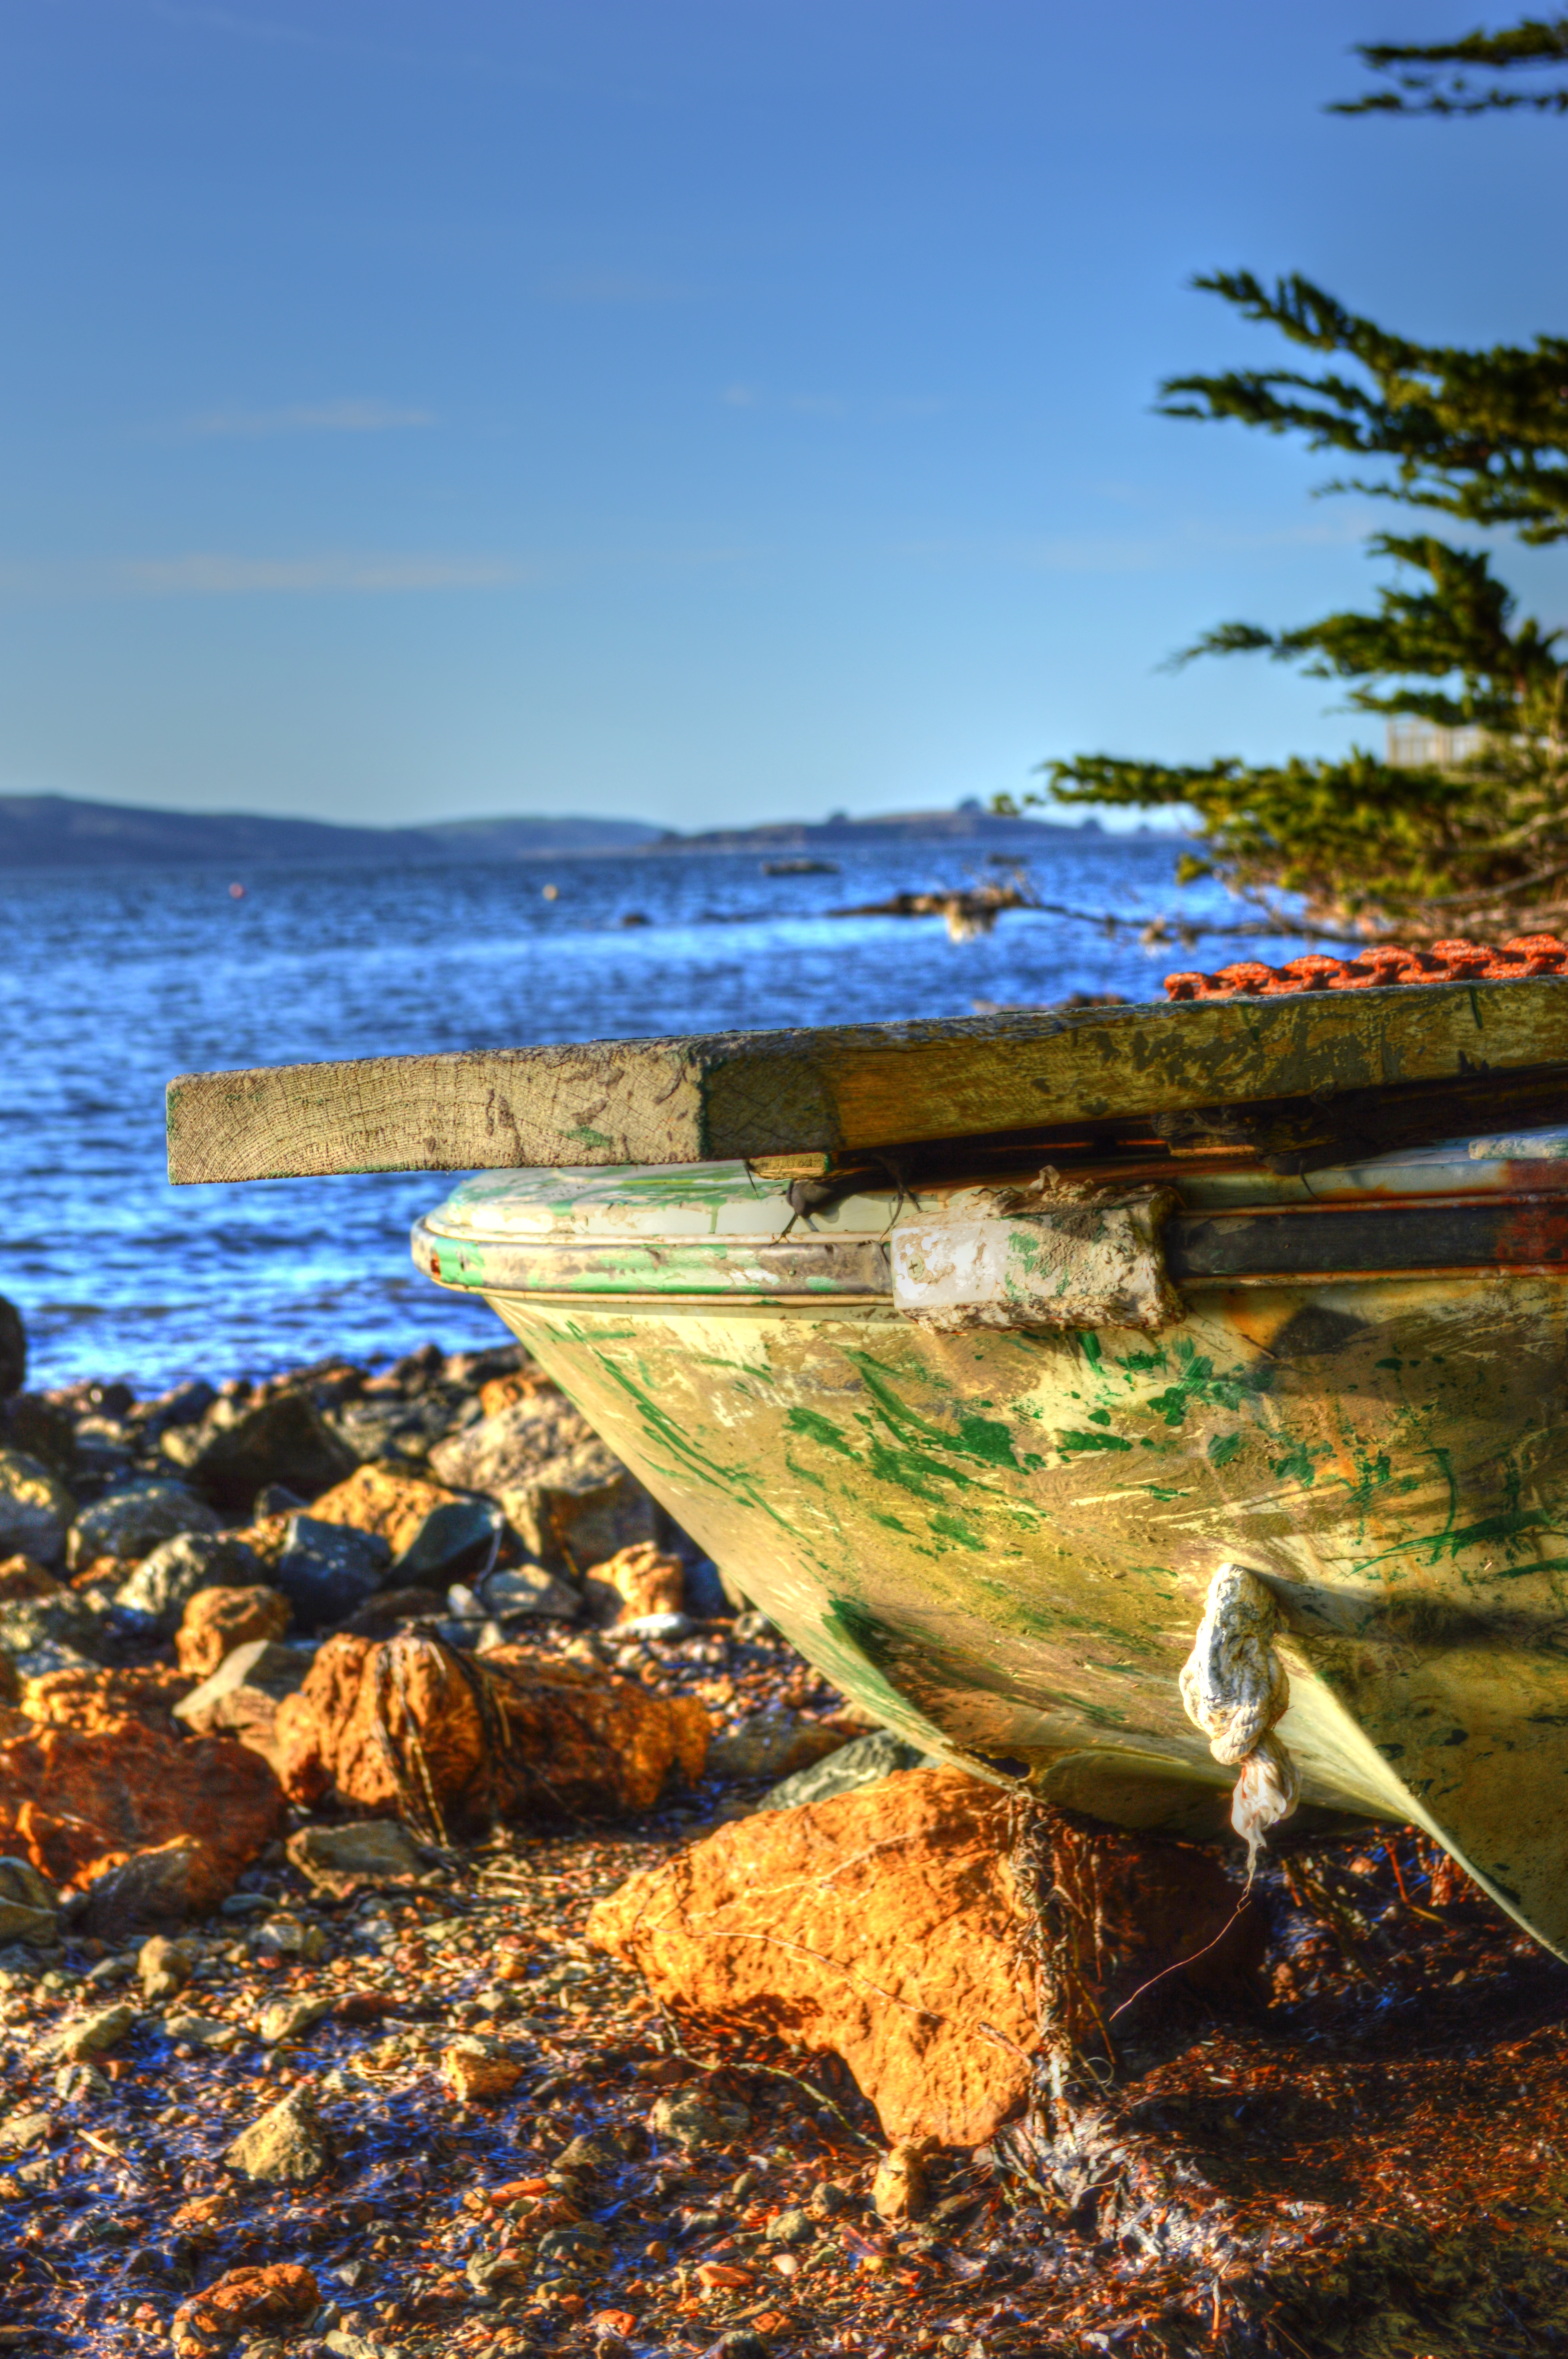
(839,1087)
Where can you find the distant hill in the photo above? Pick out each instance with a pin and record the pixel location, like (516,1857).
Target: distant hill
(60,831)
(971,823)
(522,839)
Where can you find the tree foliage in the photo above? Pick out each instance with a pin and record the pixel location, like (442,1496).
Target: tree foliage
(1475,837)
(1421,88)
(1480,435)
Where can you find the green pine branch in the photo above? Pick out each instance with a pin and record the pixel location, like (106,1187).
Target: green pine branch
(1421,88)
(1478,434)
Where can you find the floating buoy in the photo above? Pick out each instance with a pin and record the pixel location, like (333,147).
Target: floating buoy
(550,892)
(236,892)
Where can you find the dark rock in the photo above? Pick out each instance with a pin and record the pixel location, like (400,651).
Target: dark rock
(237,1450)
(35,1508)
(44,1634)
(328,1571)
(41,1428)
(164,1583)
(276,1499)
(393,1426)
(705,1596)
(185,1404)
(381,1615)
(462,1536)
(163,1886)
(133,1523)
(13,1350)
(860,1764)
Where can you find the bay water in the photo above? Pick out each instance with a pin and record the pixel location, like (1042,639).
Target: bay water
(114,979)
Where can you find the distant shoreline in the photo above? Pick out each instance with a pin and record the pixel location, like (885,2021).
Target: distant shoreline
(63,832)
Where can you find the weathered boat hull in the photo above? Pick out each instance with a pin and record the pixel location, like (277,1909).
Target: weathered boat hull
(1001,1541)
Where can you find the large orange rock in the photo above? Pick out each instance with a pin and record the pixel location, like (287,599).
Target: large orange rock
(216,1621)
(881,1926)
(96,1702)
(241,2303)
(79,1801)
(374,1499)
(884,1926)
(642,1579)
(388,1727)
(522,1384)
(589,1746)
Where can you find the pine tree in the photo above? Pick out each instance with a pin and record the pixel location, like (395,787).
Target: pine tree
(1474,838)
(1420,90)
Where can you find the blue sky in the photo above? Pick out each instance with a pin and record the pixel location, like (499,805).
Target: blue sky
(703,411)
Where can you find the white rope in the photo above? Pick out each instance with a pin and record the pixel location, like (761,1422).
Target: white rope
(1234,1688)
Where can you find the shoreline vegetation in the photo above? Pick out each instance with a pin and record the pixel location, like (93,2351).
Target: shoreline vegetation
(384,1786)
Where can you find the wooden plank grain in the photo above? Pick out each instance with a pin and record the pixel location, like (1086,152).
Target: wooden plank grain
(723,1095)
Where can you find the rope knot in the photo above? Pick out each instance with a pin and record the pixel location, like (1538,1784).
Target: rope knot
(1234,1688)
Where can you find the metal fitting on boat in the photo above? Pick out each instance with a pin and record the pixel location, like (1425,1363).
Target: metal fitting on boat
(1234,1688)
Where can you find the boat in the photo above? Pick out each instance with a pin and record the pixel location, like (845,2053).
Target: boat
(1025,1431)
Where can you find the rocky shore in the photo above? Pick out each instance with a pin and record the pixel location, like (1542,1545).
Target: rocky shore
(435,1917)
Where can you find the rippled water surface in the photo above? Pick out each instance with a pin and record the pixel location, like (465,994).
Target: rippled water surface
(114,979)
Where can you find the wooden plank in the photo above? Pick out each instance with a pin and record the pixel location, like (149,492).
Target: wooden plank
(843,1087)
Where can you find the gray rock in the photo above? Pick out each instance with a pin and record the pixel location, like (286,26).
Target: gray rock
(24,2128)
(164,1967)
(393,1426)
(29,1905)
(76,2081)
(35,1508)
(136,1521)
(792,2226)
(37,1662)
(460,1537)
(235,1451)
(368,1853)
(287,2147)
(192,2031)
(147,1892)
(694,2117)
(772,1744)
(247,1687)
(529,1589)
(328,1571)
(284,2020)
(344,2343)
(13,1350)
(185,1404)
(90,2035)
(164,1583)
(880,1754)
(62,1624)
(567,1496)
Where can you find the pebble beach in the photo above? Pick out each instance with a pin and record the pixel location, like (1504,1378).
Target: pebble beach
(314,2044)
